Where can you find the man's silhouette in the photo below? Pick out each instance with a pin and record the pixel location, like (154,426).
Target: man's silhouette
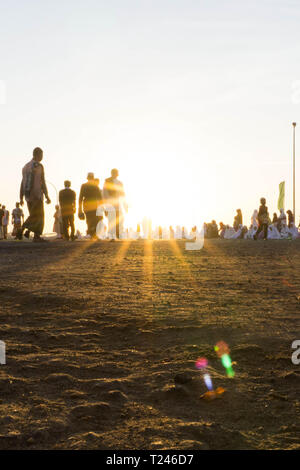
(114,197)
(33,188)
(89,199)
(67,201)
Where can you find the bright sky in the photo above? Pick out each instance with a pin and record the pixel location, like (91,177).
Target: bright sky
(192,100)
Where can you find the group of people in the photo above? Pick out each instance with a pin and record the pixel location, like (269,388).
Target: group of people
(93,204)
(282,226)
(17,218)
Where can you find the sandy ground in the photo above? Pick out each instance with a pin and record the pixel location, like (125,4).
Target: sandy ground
(97,332)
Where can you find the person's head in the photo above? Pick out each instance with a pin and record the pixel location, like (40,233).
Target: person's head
(97,181)
(263,201)
(17,205)
(114,173)
(238,211)
(90,177)
(37,154)
(57,207)
(3,207)
(67,184)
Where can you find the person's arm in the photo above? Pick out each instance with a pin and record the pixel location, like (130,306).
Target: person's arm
(80,200)
(60,197)
(22,188)
(74,202)
(123,197)
(44,186)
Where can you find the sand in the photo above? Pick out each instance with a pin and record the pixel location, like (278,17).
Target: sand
(96,334)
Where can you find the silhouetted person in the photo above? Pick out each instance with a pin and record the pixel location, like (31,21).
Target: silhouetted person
(263,219)
(33,188)
(114,199)
(275,218)
(17,218)
(67,201)
(90,198)
(1,217)
(5,222)
(290,218)
(238,220)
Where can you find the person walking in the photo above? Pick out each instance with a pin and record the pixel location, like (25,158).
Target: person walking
(263,219)
(1,217)
(33,188)
(238,220)
(90,198)
(67,201)
(114,200)
(5,222)
(17,219)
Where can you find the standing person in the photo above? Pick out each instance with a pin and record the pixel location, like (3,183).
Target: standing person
(67,201)
(5,222)
(1,217)
(57,226)
(17,218)
(263,219)
(90,198)
(290,218)
(238,220)
(281,220)
(33,188)
(114,198)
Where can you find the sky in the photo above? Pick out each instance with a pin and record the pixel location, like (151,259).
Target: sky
(192,100)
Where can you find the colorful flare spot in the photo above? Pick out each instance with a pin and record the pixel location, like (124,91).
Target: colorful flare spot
(201,363)
(208,382)
(222,351)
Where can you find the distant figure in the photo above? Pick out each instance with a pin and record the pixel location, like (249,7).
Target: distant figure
(222,230)
(275,219)
(67,201)
(212,230)
(33,188)
(90,198)
(290,218)
(17,219)
(238,220)
(172,234)
(57,226)
(5,222)
(263,219)
(114,200)
(1,217)
(281,224)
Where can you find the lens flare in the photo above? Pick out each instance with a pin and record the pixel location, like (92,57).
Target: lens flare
(201,363)
(208,382)
(222,351)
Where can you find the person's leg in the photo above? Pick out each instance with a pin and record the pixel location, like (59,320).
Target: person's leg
(89,222)
(111,218)
(72,225)
(35,222)
(5,232)
(94,221)
(265,231)
(40,219)
(257,233)
(65,223)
